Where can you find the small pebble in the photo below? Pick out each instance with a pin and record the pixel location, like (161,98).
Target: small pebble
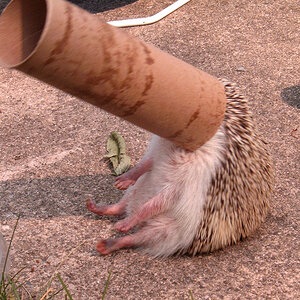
(5,227)
(241,69)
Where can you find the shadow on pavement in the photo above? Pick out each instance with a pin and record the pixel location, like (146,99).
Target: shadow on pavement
(291,96)
(96,6)
(54,197)
(93,6)
(3,4)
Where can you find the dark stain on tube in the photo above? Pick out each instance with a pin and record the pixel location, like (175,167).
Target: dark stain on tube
(60,45)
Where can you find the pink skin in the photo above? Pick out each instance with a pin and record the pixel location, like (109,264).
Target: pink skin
(148,210)
(107,246)
(151,208)
(130,177)
(122,182)
(108,210)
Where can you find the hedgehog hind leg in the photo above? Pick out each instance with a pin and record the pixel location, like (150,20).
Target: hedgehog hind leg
(110,245)
(151,208)
(162,237)
(157,237)
(117,209)
(128,241)
(130,177)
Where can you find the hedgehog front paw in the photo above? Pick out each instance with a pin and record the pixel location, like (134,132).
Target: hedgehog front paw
(125,225)
(123,182)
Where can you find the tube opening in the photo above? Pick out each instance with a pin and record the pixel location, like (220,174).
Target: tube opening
(21,26)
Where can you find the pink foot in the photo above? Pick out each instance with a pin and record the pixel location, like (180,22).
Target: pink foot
(124,225)
(91,205)
(103,246)
(123,183)
(110,210)
(130,177)
(107,246)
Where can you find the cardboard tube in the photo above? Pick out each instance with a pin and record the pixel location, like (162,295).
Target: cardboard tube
(75,51)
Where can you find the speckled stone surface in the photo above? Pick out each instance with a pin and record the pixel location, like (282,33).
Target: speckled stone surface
(52,147)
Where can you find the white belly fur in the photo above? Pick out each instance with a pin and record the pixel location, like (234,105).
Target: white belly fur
(184,178)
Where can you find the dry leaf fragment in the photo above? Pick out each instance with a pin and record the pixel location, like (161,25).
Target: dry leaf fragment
(117,153)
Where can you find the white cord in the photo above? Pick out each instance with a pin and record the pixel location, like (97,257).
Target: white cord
(149,20)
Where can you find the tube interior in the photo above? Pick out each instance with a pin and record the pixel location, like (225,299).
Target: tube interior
(21,26)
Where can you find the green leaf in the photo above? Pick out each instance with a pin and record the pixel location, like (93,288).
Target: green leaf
(117,153)
(120,142)
(123,166)
(115,162)
(112,147)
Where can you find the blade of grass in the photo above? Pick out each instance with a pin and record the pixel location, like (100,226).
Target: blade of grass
(64,286)
(29,295)
(13,277)
(191,295)
(9,247)
(14,290)
(56,293)
(4,286)
(106,285)
(48,283)
(46,294)
(18,286)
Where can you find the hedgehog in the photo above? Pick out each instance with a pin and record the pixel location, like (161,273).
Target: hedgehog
(189,202)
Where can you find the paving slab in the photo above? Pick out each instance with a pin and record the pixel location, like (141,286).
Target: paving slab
(52,147)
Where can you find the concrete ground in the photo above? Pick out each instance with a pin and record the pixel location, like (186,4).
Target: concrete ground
(52,147)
